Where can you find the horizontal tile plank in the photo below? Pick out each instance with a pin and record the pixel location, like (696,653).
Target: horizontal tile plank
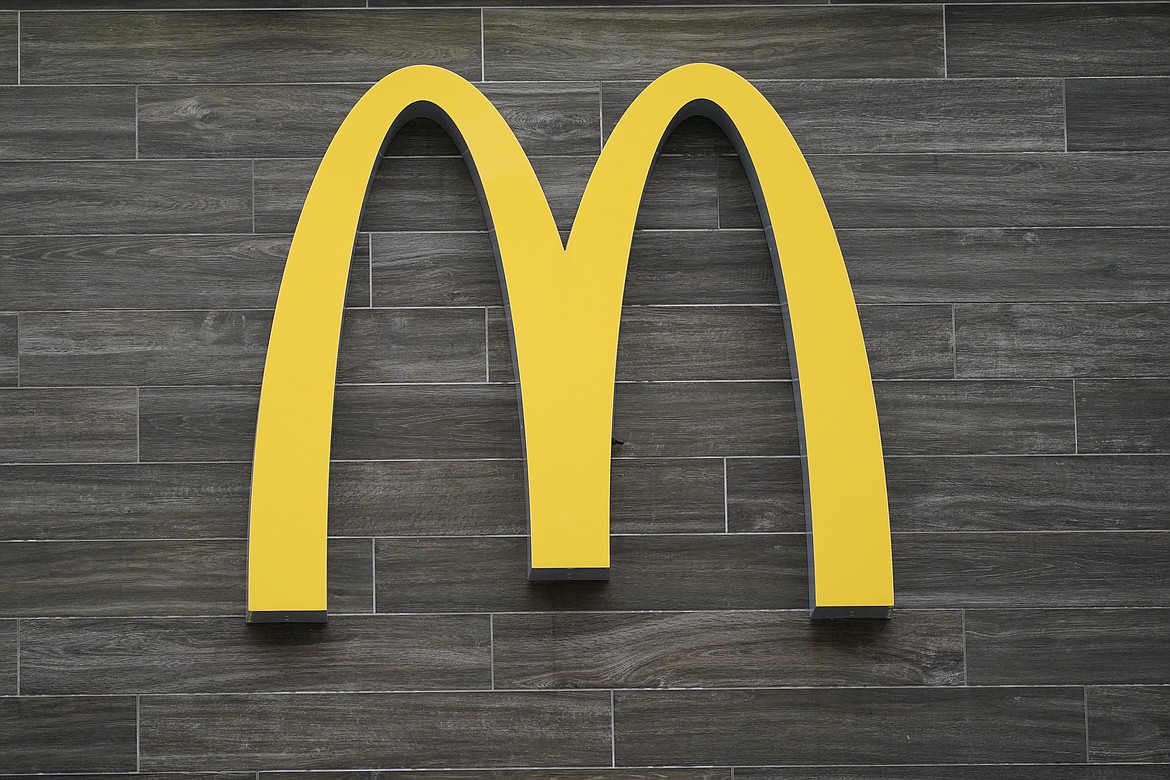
(707,571)
(1118,114)
(1028,493)
(765,495)
(749,343)
(722,649)
(228,347)
(1058,340)
(437,193)
(1040,569)
(487,498)
(198,47)
(904,115)
(426,422)
(1123,415)
(667,496)
(1088,39)
(764,43)
(427,498)
(970,772)
(556,774)
(1008,265)
(974,190)
(977,493)
(175,501)
(703,419)
(70,425)
(9,48)
(197,423)
(9,347)
(429,345)
(289,120)
(68,734)
(406,194)
(225,655)
(850,726)
(47,273)
(133,196)
(434,269)
(1064,646)
(144,348)
(369,422)
(46,123)
(985,417)
(9,640)
(666,267)
(377,729)
(1129,724)
(148,578)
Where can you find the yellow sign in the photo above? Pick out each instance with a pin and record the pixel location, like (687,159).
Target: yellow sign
(564,307)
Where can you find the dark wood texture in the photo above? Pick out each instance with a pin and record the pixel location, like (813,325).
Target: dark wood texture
(9,359)
(413,345)
(392,730)
(1000,184)
(1059,646)
(975,417)
(850,726)
(434,269)
(765,494)
(77,273)
(299,120)
(748,343)
(698,419)
(1123,415)
(197,423)
(70,425)
(704,571)
(427,498)
(154,578)
(774,43)
(974,772)
(9,49)
(1059,40)
(1044,189)
(115,501)
(1129,724)
(1038,569)
(1052,493)
(9,633)
(1108,114)
(268,47)
(126,197)
(895,116)
(652,495)
(604,773)
(1008,265)
(486,497)
(67,122)
(190,655)
(68,734)
(1081,340)
(723,649)
(144,348)
(436,193)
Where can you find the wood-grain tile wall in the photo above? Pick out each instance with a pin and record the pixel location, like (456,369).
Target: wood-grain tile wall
(1000,178)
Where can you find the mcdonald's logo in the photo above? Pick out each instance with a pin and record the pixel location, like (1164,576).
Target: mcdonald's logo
(564,309)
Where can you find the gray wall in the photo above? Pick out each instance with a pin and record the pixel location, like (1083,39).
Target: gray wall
(1000,176)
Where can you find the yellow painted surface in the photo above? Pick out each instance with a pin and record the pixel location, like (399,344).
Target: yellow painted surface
(565,310)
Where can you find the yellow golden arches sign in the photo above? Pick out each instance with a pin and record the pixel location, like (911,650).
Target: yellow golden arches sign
(564,310)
